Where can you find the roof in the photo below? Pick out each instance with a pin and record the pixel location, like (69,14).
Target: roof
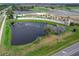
(55,12)
(64,13)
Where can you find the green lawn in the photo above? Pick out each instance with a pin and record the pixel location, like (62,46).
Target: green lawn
(50,50)
(37,21)
(76,7)
(1,22)
(6,39)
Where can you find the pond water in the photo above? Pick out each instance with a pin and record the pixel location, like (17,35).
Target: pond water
(23,33)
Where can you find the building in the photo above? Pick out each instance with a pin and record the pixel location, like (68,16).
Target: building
(59,16)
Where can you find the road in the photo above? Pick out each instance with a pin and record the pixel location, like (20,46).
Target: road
(4,10)
(76,54)
(71,50)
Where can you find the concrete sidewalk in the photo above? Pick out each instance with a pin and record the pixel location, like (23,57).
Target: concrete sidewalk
(2,27)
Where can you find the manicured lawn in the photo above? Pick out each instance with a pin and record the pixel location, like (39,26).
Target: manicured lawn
(1,22)
(42,21)
(76,7)
(68,8)
(6,39)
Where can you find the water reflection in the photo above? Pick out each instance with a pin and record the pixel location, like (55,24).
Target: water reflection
(23,33)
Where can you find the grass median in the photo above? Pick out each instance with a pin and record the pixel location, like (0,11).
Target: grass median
(6,39)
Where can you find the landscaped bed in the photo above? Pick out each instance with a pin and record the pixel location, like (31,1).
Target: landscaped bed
(45,45)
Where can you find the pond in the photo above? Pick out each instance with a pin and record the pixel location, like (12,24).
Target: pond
(23,32)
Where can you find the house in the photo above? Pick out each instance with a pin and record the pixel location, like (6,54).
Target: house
(59,16)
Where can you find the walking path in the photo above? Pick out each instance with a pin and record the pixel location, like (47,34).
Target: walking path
(3,23)
(2,27)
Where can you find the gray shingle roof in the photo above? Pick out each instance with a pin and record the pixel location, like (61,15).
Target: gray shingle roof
(64,13)
(56,12)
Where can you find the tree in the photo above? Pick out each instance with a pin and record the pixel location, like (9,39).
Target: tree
(47,30)
(72,24)
(52,7)
(74,30)
(10,13)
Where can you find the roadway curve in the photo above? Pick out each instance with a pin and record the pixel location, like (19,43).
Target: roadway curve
(71,50)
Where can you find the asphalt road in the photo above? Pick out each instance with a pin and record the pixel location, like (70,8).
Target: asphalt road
(75,54)
(69,51)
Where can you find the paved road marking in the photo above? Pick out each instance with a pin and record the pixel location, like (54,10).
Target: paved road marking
(69,50)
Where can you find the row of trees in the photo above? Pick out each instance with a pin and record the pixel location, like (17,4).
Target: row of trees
(3,6)
(22,8)
(10,13)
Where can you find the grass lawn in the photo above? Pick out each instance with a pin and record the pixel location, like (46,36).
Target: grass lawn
(6,39)
(76,7)
(37,21)
(68,8)
(46,45)
(0,23)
